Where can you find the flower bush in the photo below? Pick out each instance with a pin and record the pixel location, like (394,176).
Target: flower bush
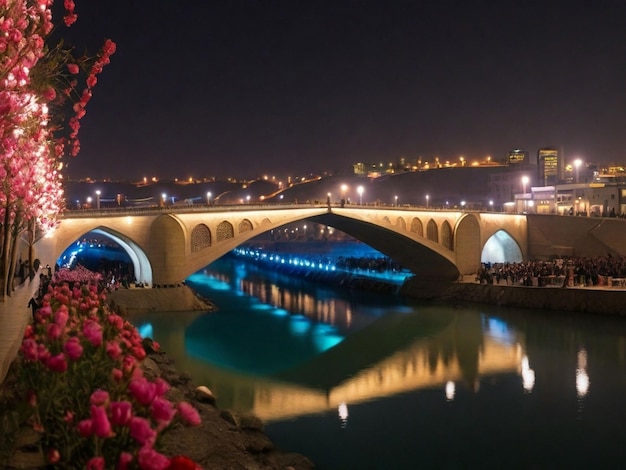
(86,393)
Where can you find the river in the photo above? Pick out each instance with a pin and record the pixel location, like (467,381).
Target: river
(355,380)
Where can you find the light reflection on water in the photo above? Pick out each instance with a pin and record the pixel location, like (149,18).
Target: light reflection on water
(353,380)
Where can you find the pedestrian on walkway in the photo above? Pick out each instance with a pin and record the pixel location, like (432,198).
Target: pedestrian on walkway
(34,306)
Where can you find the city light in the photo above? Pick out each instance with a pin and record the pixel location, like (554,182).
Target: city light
(577,164)
(98,199)
(427,198)
(524,183)
(396,199)
(208,198)
(360,191)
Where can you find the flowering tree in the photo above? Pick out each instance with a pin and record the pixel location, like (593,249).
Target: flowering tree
(37,83)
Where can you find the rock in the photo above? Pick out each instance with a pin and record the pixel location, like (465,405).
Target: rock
(229,416)
(205,395)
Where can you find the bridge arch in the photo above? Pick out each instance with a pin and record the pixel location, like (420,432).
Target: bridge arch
(467,244)
(417,227)
(446,235)
(141,264)
(501,247)
(432,232)
(200,238)
(225,231)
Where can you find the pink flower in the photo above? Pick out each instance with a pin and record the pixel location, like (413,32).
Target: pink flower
(93,332)
(61,316)
(121,412)
(113,349)
(141,431)
(101,426)
(57,363)
(189,414)
(96,463)
(161,386)
(162,411)
(29,349)
(142,390)
(85,427)
(73,68)
(99,397)
(117,375)
(72,348)
(54,331)
(124,461)
(150,459)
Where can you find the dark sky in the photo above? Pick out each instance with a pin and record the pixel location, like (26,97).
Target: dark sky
(245,88)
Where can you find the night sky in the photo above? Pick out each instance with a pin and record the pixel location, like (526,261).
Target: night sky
(243,88)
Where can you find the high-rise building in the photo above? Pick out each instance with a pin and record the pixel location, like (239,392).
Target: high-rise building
(549,166)
(517,156)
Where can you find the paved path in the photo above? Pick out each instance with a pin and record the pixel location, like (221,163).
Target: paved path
(14,316)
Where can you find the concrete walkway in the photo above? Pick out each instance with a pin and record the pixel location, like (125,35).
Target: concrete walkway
(14,316)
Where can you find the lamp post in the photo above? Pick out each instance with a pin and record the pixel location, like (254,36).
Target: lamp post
(491,205)
(208,198)
(98,199)
(248,198)
(89,202)
(577,164)
(163,199)
(427,198)
(396,200)
(360,191)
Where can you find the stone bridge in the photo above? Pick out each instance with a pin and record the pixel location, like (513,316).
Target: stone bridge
(166,245)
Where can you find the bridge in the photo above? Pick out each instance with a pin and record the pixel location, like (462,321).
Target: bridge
(166,245)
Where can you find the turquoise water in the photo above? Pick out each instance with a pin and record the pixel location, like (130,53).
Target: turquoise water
(355,380)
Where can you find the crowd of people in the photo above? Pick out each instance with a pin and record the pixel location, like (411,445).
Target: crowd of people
(586,271)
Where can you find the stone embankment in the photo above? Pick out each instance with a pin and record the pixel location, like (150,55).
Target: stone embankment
(595,300)
(179,298)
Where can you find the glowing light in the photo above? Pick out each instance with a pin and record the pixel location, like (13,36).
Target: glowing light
(528,376)
(582,378)
(342,410)
(450,390)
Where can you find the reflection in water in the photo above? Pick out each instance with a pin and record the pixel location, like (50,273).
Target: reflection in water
(281,348)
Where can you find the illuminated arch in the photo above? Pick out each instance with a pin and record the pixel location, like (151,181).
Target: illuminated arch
(417,227)
(432,233)
(501,248)
(200,238)
(386,220)
(446,235)
(245,226)
(225,231)
(400,223)
(141,265)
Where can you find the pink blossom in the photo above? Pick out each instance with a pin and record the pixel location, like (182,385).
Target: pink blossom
(99,397)
(113,349)
(161,386)
(73,348)
(121,412)
(53,456)
(162,411)
(73,68)
(93,332)
(61,316)
(101,425)
(141,431)
(189,414)
(117,375)
(54,331)
(29,349)
(57,363)
(85,427)
(96,463)
(124,461)
(142,390)
(150,459)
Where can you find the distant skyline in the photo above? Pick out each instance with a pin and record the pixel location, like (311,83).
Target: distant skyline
(244,88)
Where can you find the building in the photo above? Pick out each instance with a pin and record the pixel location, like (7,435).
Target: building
(549,166)
(517,157)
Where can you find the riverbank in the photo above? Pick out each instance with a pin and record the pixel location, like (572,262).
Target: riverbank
(179,298)
(594,300)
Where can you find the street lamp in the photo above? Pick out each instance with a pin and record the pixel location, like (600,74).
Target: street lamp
(427,198)
(360,191)
(208,198)
(89,202)
(248,198)
(577,164)
(98,199)
(491,205)
(396,199)
(163,198)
